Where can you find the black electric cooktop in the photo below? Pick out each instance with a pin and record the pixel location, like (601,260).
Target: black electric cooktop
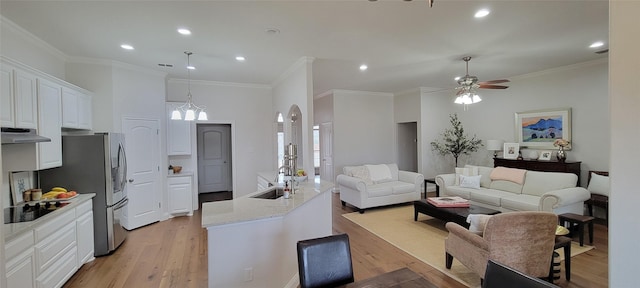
(29,212)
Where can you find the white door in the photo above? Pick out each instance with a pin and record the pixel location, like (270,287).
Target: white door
(326,152)
(214,157)
(143,172)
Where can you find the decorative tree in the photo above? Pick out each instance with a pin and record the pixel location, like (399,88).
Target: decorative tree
(455,142)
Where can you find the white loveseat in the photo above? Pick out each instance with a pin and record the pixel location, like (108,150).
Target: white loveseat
(369,186)
(540,191)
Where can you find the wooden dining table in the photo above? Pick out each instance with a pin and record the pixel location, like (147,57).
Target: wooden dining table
(401,278)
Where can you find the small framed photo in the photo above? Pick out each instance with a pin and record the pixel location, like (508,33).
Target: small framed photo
(545,155)
(20,182)
(511,150)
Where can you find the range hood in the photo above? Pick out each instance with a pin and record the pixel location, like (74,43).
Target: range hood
(19,136)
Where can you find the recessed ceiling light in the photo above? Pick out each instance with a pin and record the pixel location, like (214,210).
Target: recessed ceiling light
(191,67)
(272,31)
(126,46)
(596,44)
(482,13)
(240,58)
(184,31)
(363,67)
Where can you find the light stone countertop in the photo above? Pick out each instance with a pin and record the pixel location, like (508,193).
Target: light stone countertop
(246,208)
(12,230)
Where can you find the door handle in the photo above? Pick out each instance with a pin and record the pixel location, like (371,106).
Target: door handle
(130,180)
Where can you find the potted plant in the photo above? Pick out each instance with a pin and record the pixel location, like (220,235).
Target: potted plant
(455,142)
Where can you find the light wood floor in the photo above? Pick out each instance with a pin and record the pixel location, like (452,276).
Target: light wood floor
(173,253)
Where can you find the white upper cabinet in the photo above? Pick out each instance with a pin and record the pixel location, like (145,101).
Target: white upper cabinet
(178,133)
(50,120)
(19,101)
(76,109)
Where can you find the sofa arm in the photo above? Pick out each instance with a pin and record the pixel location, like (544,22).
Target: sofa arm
(411,177)
(563,197)
(468,236)
(351,182)
(444,180)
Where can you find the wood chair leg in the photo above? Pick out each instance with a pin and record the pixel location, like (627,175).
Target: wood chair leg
(448,260)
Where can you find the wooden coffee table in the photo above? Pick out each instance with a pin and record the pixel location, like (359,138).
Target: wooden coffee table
(457,215)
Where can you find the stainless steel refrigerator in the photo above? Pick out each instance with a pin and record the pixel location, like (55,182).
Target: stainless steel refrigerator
(95,164)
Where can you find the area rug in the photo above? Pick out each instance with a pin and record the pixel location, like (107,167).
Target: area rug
(423,239)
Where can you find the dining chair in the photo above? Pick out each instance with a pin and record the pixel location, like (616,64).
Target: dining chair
(499,275)
(325,261)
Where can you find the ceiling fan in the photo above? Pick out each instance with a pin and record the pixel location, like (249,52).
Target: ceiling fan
(468,85)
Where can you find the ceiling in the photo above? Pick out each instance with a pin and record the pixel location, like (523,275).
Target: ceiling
(406,44)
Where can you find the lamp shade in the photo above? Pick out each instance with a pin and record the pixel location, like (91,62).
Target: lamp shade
(495,145)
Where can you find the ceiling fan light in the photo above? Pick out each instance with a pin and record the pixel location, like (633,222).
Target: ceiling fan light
(202,116)
(458,100)
(175,115)
(466,99)
(476,98)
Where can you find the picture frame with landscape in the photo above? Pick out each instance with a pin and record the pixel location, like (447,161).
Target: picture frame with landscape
(545,155)
(538,129)
(511,150)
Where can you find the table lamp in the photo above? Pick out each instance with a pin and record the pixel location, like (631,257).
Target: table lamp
(495,146)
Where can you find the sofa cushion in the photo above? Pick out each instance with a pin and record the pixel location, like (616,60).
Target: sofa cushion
(467,171)
(393,168)
(488,196)
(538,183)
(470,181)
(509,174)
(484,172)
(599,184)
(403,187)
(506,186)
(521,202)
(381,189)
(362,173)
(458,191)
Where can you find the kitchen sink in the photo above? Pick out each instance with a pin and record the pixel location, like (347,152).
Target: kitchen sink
(274,193)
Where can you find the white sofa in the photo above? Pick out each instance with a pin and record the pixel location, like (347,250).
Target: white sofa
(363,189)
(541,191)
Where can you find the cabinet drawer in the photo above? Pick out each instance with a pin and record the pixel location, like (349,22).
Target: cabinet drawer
(19,244)
(84,208)
(53,247)
(60,272)
(54,224)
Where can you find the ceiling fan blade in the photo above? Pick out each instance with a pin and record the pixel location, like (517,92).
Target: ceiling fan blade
(488,86)
(494,81)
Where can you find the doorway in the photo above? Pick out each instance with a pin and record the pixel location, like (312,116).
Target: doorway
(408,146)
(214,158)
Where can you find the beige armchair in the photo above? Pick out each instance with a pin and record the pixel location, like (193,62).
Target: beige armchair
(521,240)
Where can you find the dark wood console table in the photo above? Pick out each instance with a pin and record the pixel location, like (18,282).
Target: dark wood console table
(545,166)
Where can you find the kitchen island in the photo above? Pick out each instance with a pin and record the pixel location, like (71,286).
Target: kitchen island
(252,241)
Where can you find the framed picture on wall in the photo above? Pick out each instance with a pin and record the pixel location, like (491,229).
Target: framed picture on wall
(511,150)
(545,155)
(539,129)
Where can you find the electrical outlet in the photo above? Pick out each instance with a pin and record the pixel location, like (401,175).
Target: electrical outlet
(248,274)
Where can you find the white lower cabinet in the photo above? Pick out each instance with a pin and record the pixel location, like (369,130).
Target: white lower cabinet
(49,254)
(20,262)
(180,195)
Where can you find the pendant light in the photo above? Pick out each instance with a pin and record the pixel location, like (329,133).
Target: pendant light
(189,109)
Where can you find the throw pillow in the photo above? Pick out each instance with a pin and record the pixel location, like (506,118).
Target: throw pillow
(362,173)
(599,184)
(379,173)
(477,222)
(470,181)
(467,171)
(508,174)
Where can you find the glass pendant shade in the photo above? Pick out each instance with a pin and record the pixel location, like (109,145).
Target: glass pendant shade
(476,98)
(176,115)
(202,116)
(190,115)
(189,108)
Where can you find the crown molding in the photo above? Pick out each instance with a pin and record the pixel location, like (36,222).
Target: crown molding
(115,64)
(29,37)
(302,61)
(563,68)
(218,83)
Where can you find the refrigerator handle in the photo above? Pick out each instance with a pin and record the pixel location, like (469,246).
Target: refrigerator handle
(123,181)
(121,204)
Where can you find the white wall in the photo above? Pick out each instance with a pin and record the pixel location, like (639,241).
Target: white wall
(625,104)
(406,108)
(247,108)
(435,106)
(20,45)
(582,87)
(295,87)
(363,130)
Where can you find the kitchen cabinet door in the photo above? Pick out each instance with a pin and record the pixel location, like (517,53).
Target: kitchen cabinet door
(69,108)
(49,123)
(84,230)
(85,111)
(178,134)
(180,195)
(25,97)
(20,271)
(6,96)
